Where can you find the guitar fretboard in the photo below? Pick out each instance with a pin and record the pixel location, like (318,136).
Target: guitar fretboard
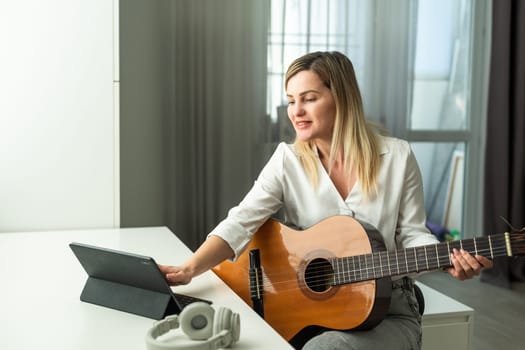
(423,258)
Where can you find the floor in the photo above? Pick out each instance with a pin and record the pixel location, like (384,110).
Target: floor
(499,316)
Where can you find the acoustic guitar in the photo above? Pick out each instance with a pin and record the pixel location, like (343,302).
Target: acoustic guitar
(336,274)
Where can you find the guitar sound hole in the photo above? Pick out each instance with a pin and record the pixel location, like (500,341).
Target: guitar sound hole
(319,275)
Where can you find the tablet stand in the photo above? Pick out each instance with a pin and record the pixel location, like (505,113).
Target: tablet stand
(139,301)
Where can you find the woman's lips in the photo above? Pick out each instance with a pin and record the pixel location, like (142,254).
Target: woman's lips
(302,124)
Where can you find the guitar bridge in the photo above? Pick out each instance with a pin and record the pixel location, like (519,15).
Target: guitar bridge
(256,282)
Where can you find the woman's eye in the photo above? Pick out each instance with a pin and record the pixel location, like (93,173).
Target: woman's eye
(290,103)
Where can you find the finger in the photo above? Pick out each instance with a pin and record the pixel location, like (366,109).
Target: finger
(456,270)
(461,263)
(172,279)
(177,278)
(453,272)
(163,268)
(474,267)
(484,262)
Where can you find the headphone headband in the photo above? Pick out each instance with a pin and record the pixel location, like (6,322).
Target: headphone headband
(164,326)
(221,328)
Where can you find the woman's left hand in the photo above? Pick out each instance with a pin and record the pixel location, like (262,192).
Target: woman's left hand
(465,266)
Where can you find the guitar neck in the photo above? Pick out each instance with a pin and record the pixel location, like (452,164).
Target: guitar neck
(417,259)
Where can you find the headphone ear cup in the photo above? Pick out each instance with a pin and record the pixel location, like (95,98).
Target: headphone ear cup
(227,320)
(197,320)
(222,320)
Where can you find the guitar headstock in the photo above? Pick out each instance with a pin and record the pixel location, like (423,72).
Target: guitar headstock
(517,242)
(517,238)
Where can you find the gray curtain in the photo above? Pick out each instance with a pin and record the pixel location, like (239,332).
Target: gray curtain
(388,77)
(505,162)
(218,97)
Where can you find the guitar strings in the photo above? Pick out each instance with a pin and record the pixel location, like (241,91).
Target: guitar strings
(314,270)
(318,283)
(319,267)
(315,280)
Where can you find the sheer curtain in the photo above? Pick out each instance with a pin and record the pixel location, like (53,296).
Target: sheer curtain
(218,98)
(377,35)
(451,79)
(389,64)
(224,67)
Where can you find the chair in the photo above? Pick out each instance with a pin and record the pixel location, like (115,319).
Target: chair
(420,299)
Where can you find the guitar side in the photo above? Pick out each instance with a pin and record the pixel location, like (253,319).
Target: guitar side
(291,301)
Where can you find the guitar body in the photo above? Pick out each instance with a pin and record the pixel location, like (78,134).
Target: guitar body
(289,258)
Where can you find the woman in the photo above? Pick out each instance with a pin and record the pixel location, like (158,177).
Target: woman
(339,165)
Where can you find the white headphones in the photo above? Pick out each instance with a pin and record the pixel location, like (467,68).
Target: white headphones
(212,329)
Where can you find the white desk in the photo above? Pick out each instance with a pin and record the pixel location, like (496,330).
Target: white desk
(41,282)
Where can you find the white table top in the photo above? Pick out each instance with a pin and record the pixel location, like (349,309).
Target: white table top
(42,281)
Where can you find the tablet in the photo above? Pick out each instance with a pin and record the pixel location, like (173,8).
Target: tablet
(127,282)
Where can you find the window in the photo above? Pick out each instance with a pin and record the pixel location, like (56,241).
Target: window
(301,26)
(446,119)
(422,67)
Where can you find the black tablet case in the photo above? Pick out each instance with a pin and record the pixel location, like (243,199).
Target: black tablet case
(124,281)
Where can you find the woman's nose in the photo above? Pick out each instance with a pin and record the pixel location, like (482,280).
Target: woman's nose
(298,108)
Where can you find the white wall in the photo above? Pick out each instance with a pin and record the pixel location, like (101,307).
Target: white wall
(58,127)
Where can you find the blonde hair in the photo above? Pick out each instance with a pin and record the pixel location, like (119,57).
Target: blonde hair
(353,136)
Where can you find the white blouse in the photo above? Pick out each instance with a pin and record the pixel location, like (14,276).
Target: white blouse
(397,211)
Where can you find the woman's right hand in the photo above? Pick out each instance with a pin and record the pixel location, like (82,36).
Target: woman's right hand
(175,275)
(213,251)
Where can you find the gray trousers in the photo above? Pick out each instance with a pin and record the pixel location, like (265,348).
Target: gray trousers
(400,330)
